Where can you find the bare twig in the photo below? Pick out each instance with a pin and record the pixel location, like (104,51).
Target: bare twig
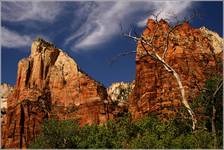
(167,39)
(120,55)
(154,55)
(219,86)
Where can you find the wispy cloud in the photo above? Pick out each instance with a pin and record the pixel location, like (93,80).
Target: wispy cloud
(11,39)
(103,21)
(94,23)
(104,18)
(26,13)
(22,11)
(167,10)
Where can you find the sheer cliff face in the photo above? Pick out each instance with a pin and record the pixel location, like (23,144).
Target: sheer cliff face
(190,52)
(50,85)
(50,68)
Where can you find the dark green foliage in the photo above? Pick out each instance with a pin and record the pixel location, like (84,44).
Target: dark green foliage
(147,133)
(211,96)
(170,134)
(57,134)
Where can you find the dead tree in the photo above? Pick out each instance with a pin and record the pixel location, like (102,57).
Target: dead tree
(153,53)
(213,120)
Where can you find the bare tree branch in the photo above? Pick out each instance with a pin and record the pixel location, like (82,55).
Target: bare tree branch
(154,55)
(219,86)
(167,39)
(120,55)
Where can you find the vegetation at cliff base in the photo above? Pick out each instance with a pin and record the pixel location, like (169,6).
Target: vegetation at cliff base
(146,133)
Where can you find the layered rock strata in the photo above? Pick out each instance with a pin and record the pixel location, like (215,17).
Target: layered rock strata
(50,85)
(193,54)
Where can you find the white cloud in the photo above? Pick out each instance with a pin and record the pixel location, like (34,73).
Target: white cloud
(104,18)
(167,9)
(103,21)
(22,11)
(99,21)
(11,39)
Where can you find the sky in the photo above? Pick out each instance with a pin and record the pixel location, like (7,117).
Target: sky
(91,31)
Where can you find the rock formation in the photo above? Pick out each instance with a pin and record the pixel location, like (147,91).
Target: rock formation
(191,52)
(215,40)
(118,92)
(50,85)
(5,91)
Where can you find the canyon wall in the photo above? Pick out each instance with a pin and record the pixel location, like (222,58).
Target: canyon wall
(50,84)
(195,54)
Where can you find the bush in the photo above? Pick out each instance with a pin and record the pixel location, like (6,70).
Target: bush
(148,132)
(57,134)
(122,133)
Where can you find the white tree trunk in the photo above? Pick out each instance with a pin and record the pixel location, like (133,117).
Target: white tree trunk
(154,55)
(182,91)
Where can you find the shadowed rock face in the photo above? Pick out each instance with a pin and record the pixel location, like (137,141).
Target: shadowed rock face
(50,85)
(191,53)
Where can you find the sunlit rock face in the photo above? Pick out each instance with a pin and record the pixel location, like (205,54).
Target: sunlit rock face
(5,91)
(118,92)
(195,54)
(50,84)
(215,40)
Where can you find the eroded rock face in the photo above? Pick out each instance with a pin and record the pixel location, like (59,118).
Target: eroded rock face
(216,41)
(191,53)
(118,92)
(5,91)
(50,85)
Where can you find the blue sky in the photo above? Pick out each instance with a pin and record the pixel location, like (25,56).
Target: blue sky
(90,31)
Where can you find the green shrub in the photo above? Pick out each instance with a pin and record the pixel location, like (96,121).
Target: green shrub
(57,134)
(146,133)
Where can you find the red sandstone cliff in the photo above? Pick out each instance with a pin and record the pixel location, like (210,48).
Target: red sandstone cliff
(191,52)
(50,85)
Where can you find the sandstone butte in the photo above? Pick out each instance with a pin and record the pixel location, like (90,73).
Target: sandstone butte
(195,54)
(51,85)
